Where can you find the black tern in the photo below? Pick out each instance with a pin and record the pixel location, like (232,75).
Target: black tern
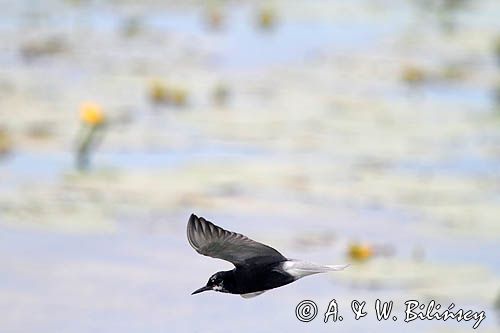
(258,267)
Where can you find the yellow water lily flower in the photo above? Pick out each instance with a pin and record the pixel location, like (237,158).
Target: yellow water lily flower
(266,18)
(413,75)
(92,114)
(5,142)
(179,96)
(360,252)
(158,92)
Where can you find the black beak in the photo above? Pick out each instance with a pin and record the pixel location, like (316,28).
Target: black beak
(205,288)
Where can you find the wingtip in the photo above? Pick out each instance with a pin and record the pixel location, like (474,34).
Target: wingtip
(190,230)
(191,223)
(193,217)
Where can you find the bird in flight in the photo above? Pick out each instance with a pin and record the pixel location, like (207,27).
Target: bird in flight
(258,267)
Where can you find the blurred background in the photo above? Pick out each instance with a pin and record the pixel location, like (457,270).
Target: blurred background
(361,132)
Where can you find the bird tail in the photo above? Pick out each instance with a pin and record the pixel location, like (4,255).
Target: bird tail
(299,269)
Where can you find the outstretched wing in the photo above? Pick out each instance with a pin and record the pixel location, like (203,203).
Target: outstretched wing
(210,240)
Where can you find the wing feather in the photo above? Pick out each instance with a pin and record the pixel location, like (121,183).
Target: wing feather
(213,241)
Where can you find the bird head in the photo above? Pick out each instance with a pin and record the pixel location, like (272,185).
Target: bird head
(216,283)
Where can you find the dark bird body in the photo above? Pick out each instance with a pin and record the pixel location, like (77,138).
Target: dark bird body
(258,267)
(251,279)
